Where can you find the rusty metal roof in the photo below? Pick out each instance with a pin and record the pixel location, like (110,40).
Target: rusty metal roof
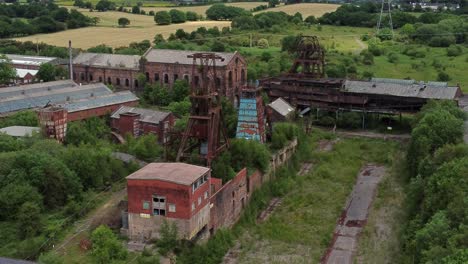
(146,115)
(119,61)
(176,172)
(181,56)
(402,88)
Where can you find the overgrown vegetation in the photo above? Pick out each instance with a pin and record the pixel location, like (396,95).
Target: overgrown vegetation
(437,160)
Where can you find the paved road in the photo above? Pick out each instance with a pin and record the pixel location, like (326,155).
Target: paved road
(354,217)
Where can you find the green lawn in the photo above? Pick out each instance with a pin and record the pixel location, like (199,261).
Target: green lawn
(300,230)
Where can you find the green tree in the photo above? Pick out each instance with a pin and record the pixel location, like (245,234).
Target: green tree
(273,3)
(191,16)
(218,46)
(7,73)
(443,77)
(123,22)
(102,48)
(29,218)
(46,72)
(180,90)
(162,18)
(177,16)
(105,5)
(158,39)
(106,246)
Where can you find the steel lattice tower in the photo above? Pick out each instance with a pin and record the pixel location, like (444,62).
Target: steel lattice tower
(205,125)
(384,11)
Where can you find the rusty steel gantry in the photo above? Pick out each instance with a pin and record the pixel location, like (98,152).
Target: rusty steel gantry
(205,125)
(310,60)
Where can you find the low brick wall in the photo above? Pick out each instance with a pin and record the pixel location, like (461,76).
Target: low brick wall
(227,202)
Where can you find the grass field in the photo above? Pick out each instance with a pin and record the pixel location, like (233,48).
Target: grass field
(300,230)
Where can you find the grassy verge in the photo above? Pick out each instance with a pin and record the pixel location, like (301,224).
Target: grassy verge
(301,228)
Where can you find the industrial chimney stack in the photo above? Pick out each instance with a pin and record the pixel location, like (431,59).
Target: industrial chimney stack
(70,63)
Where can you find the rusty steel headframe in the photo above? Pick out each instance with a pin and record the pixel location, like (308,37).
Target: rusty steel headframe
(310,60)
(205,124)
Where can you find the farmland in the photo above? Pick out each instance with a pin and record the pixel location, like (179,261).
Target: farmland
(305,9)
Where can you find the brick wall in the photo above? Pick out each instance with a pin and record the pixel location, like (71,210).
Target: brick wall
(121,78)
(228,202)
(99,111)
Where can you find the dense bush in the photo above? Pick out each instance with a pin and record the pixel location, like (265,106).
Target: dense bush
(177,16)
(106,246)
(454,50)
(105,5)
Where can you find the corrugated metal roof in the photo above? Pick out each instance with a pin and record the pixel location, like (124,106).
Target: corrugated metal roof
(108,60)
(35,87)
(146,115)
(181,56)
(402,89)
(74,97)
(29,60)
(176,172)
(281,106)
(104,100)
(20,131)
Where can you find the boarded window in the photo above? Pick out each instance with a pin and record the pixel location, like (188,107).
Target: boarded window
(146,205)
(172,208)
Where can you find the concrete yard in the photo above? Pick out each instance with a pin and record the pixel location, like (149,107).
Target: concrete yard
(354,217)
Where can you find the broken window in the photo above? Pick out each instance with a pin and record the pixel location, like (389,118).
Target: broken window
(159,205)
(193,206)
(156,77)
(166,78)
(199,200)
(206,195)
(176,76)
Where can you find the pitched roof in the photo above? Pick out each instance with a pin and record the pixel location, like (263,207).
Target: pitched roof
(281,106)
(100,101)
(181,56)
(108,60)
(176,172)
(146,115)
(403,88)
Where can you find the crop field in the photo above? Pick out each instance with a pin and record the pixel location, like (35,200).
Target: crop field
(107,32)
(202,9)
(306,9)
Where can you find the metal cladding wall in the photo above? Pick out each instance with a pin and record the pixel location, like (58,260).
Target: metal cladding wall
(250,124)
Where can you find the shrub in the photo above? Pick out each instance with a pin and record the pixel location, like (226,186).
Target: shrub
(392,57)
(443,77)
(454,50)
(262,43)
(106,246)
(350,120)
(123,22)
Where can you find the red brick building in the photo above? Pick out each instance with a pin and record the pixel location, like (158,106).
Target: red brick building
(118,70)
(166,66)
(176,192)
(139,121)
